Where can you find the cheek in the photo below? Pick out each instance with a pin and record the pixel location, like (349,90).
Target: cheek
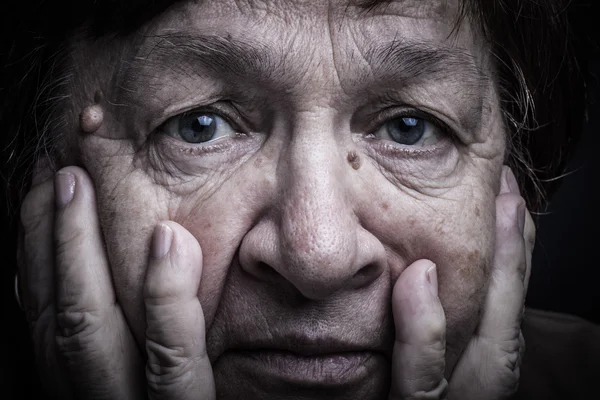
(131,203)
(461,245)
(129,208)
(458,236)
(463,251)
(464,269)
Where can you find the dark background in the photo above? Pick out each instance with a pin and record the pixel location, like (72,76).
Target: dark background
(566,270)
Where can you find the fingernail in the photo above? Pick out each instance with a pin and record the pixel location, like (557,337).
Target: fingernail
(64,188)
(161,240)
(521,216)
(432,282)
(511,181)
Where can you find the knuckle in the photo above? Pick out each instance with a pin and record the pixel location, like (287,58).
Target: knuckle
(76,328)
(509,362)
(499,376)
(434,389)
(507,356)
(167,366)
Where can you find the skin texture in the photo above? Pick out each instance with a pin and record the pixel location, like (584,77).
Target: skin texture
(306,214)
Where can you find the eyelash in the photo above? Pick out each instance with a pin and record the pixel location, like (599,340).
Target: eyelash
(160,134)
(215,108)
(379,120)
(390,114)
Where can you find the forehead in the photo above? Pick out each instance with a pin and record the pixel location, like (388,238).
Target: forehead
(414,8)
(327,51)
(294,12)
(292,34)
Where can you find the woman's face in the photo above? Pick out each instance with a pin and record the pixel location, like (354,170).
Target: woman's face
(315,149)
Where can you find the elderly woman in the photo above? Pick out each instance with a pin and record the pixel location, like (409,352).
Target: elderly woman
(283,199)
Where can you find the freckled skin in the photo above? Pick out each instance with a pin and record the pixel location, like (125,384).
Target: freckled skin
(293,239)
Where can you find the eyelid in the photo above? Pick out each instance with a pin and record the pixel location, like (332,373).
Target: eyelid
(232,118)
(393,113)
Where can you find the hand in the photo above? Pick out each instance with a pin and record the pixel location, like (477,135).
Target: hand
(83,345)
(489,367)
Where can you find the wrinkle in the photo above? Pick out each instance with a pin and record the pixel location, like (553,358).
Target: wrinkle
(337,79)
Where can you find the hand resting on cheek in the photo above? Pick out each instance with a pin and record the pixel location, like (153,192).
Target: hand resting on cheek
(85,350)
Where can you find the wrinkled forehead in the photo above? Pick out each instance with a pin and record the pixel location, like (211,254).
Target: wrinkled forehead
(252,37)
(414,8)
(293,12)
(315,48)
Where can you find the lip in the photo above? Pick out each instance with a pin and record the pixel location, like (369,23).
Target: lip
(311,343)
(330,370)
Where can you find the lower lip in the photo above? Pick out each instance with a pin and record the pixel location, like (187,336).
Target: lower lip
(328,370)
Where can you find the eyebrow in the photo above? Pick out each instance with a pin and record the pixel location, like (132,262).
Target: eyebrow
(410,63)
(410,60)
(404,62)
(406,59)
(197,54)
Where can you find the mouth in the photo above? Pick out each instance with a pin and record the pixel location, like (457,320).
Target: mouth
(308,358)
(308,370)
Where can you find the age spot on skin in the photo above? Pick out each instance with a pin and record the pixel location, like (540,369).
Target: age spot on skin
(474,257)
(91,118)
(354,160)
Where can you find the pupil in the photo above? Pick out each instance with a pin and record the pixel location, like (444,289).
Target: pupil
(198,128)
(406,130)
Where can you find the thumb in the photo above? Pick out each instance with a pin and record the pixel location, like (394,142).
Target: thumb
(418,359)
(178,366)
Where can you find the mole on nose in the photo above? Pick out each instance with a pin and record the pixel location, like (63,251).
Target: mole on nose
(354,160)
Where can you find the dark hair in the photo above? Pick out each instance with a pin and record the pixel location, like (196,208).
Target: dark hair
(540,86)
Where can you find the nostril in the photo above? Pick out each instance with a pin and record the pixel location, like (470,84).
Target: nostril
(265,271)
(366,275)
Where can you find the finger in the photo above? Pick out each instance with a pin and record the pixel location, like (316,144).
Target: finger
(36,279)
(498,339)
(418,358)
(509,185)
(529,237)
(178,366)
(93,338)
(504,301)
(35,254)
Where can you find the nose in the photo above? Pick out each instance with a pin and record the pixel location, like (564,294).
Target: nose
(312,237)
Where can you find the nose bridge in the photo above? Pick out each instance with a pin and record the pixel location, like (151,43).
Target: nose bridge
(317,228)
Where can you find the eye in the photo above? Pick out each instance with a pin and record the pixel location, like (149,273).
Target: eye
(198,127)
(410,131)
